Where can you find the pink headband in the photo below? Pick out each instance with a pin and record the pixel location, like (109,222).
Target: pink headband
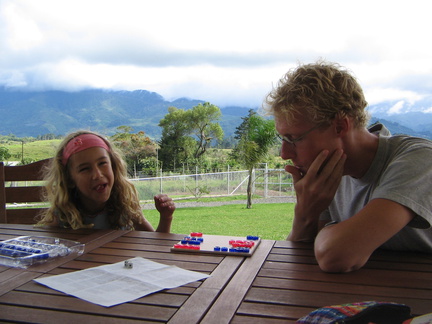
(81,143)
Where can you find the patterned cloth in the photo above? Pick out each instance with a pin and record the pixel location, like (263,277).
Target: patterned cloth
(361,312)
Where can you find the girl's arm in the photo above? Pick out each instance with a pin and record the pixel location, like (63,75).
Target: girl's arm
(144,225)
(166,207)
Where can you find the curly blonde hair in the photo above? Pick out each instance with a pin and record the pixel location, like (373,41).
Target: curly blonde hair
(123,206)
(321,92)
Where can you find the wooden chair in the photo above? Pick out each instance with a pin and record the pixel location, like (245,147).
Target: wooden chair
(12,192)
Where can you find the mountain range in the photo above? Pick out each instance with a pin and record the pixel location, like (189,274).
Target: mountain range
(32,113)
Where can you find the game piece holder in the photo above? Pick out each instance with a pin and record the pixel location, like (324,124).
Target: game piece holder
(216,244)
(24,251)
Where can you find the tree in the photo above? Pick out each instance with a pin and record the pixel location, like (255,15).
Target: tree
(244,126)
(135,147)
(4,154)
(187,134)
(176,146)
(256,136)
(228,142)
(240,132)
(202,122)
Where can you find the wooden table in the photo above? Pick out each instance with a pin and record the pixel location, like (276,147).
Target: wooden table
(278,284)
(290,284)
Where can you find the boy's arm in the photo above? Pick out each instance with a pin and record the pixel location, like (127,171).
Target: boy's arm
(315,191)
(347,246)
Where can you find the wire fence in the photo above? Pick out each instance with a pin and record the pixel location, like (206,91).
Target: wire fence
(266,183)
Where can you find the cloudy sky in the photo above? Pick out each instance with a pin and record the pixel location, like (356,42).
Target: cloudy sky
(227,52)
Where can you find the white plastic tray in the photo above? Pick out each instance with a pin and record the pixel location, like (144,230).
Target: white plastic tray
(24,251)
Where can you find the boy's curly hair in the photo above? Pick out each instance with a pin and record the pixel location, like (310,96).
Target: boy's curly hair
(321,92)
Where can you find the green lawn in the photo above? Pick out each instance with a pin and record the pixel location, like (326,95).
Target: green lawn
(268,221)
(35,151)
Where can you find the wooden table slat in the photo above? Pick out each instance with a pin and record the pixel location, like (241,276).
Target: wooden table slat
(383,291)
(10,283)
(274,311)
(319,299)
(363,277)
(58,302)
(112,249)
(13,313)
(253,319)
(231,297)
(161,299)
(198,303)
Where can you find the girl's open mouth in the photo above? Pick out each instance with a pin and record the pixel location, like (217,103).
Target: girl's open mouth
(101,187)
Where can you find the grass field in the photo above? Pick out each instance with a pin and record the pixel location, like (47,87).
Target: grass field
(268,221)
(34,151)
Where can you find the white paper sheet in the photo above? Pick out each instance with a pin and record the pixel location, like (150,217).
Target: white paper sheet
(113,284)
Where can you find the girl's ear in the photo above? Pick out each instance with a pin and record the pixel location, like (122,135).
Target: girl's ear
(70,183)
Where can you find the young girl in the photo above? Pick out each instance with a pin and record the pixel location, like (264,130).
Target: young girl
(86,186)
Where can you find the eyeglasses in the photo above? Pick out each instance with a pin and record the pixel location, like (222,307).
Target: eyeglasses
(293,141)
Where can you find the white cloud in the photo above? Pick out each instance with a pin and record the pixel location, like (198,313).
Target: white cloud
(376,95)
(397,108)
(226,52)
(23,33)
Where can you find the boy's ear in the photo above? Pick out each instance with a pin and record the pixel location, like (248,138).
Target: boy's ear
(342,125)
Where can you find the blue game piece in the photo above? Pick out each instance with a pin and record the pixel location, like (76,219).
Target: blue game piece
(192,242)
(42,256)
(217,248)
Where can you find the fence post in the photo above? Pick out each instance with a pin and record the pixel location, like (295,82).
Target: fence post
(280,183)
(196,179)
(228,180)
(253,180)
(160,183)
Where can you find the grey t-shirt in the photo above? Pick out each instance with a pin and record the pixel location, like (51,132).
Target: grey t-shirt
(402,172)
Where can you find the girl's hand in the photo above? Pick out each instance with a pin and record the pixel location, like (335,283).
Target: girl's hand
(165,205)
